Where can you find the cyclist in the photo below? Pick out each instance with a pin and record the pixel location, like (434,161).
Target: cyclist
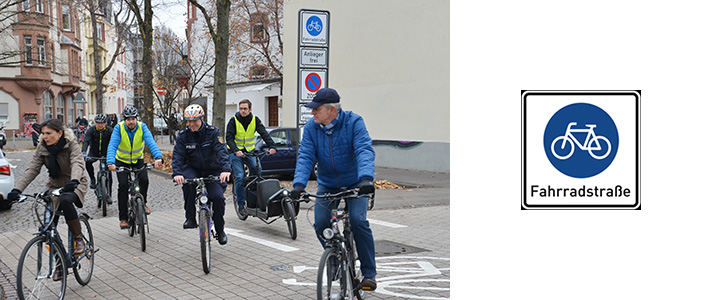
(126,149)
(200,152)
(60,153)
(240,137)
(342,147)
(97,139)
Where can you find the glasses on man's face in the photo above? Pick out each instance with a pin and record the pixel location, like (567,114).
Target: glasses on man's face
(244,108)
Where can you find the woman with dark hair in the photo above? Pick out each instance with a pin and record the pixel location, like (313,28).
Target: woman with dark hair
(61,155)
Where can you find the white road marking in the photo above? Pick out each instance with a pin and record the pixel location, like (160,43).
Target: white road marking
(271,244)
(386,224)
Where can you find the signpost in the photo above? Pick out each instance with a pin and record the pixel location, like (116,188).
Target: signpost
(313,58)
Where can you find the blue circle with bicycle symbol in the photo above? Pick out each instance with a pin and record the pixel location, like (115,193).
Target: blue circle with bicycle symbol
(314,25)
(581,140)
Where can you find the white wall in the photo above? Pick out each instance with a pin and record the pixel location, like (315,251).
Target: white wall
(390,63)
(258,99)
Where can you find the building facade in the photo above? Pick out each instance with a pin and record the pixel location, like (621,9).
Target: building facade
(42,76)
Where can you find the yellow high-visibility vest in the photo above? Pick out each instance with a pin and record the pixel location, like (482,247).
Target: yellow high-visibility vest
(128,152)
(245,139)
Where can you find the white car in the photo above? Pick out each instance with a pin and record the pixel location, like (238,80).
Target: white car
(7,181)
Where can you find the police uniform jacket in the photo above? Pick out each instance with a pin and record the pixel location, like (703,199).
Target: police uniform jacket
(203,151)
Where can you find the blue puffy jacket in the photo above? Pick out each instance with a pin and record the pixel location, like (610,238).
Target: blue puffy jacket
(344,158)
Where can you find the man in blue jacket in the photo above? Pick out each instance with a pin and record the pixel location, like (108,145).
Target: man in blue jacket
(342,147)
(125,149)
(200,152)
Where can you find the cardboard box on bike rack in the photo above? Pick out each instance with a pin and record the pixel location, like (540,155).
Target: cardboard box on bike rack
(266,189)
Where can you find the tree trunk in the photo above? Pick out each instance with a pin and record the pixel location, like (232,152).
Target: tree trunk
(221,64)
(147,112)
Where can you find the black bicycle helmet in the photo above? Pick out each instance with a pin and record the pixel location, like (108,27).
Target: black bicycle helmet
(130,111)
(101,118)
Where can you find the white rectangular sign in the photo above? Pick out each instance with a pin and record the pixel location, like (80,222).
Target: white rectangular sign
(310,82)
(313,57)
(314,29)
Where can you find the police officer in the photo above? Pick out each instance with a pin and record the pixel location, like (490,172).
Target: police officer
(200,152)
(97,139)
(126,149)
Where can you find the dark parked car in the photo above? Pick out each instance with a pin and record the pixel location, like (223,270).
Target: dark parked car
(287,142)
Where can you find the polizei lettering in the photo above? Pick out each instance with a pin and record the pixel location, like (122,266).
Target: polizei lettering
(584,191)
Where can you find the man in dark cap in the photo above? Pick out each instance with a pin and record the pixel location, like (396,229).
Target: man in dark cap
(342,147)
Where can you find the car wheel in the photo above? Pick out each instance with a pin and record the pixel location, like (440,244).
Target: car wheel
(313,174)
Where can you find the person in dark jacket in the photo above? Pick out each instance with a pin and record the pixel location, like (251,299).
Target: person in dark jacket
(340,143)
(97,139)
(240,138)
(200,152)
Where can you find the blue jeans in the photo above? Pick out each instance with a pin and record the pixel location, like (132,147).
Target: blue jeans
(237,165)
(364,241)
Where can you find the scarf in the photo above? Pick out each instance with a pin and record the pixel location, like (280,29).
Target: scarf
(244,121)
(329,128)
(53,165)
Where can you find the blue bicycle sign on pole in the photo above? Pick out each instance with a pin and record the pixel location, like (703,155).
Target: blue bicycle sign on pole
(314,27)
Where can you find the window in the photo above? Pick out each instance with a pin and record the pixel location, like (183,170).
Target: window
(4,111)
(48,102)
(279,137)
(100,30)
(26,5)
(258,72)
(257,27)
(61,108)
(39,6)
(28,50)
(41,50)
(66,22)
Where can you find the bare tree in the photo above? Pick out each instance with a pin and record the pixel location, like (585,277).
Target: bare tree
(144,17)
(256,36)
(220,35)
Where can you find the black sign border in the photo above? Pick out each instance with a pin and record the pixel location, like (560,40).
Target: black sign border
(635,206)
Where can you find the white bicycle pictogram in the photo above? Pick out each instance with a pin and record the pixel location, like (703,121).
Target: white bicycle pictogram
(592,142)
(314,26)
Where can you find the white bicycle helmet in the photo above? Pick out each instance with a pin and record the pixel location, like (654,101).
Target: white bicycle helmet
(194,112)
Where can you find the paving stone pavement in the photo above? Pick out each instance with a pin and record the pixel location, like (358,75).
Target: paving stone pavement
(243,269)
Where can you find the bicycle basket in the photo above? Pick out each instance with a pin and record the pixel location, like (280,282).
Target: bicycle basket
(266,189)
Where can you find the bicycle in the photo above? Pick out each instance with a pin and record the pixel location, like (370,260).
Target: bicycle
(137,218)
(204,218)
(103,190)
(265,199)
(338,274)
(592,142)
(45,255)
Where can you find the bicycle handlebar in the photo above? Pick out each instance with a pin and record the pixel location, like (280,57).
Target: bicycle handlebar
(41,195)
(126,169)
(344,194)
(256,153)
(210,178)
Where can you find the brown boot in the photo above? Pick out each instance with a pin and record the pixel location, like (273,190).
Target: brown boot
(77,236)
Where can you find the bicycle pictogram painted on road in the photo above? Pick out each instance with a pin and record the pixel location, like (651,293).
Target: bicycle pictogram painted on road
(406,277)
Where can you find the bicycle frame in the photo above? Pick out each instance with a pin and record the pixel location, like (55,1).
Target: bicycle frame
(590,136)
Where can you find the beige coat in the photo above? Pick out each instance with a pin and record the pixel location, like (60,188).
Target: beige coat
(72,166)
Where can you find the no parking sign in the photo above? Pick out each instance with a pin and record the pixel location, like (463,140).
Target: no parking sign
(310,82)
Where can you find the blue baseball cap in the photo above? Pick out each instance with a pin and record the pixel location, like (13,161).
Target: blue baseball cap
(324,96)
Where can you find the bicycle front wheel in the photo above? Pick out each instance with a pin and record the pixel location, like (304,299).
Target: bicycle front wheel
(140,220)
(289,214)
(85,263)
(132,215)
(38,262)
(104,195)
(205,238)
(333,278)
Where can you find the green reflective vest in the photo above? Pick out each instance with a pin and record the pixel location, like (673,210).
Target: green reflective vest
(245,139)
(128,151)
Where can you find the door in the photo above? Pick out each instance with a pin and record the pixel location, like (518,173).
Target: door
(273,111)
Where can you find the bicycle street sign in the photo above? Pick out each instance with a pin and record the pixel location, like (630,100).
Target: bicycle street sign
(581,150)
(314,28)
